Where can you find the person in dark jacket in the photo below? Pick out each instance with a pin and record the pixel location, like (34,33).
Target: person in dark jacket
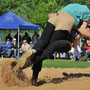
(9,37)
(20,38)
(26,37)
(13,50)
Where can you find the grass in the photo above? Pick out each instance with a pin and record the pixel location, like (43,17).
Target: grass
(58,63)
(65,64)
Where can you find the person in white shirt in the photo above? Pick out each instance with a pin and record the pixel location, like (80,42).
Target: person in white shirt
(25,46)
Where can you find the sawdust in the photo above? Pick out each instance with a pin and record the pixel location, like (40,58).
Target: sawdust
(11,77)
(49,78)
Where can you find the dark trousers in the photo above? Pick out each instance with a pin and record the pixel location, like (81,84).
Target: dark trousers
(50,42)
(60,45)
(48,36)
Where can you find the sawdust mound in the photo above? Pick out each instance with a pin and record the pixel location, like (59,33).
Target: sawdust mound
(13,78)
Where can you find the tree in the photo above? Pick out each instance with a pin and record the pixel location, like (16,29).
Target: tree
(35,11)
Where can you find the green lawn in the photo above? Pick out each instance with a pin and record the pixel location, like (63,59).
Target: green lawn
(65,64)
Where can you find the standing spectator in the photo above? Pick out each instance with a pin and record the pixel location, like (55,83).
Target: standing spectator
(16,36)
(75,52)
(35,37)
(26,37)
(25,46)
(9,37)
(13,50)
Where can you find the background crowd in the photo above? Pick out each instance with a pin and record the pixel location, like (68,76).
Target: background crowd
(78,53)
(10,47)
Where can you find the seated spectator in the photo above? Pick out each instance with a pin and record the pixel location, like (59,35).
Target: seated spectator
(83,47)
(9,37)
(24,47)
(57,55)
(0,49)
(13,51)
(31,45)
(86,56)
(64,55)
(6,47)
(26,37)
(88,44)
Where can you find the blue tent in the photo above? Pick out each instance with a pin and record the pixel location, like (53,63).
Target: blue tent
(10,21)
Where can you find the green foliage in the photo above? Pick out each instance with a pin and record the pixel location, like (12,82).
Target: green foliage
(35,11)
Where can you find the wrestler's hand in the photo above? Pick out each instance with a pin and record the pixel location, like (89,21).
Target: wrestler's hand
(84,25)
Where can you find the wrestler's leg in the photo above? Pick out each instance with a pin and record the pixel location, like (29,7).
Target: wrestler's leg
(45,38)
(41,44)
(36,69)
(60,45)
(56,36)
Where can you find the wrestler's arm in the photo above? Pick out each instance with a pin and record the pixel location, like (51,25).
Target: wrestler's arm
(84,30)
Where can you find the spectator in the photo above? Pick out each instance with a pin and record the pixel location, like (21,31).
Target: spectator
(88,44)
(83,47)
(31,45)
(16,36)
(35,37)
(9,37)
(86,56)
(26,37)
(24,47)
(88,48)
(75,52)
(7,46)
(13,50)
(0,49)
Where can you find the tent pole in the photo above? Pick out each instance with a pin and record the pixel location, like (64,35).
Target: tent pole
(18,42)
